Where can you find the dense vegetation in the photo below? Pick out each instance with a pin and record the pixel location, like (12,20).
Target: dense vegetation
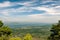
(5,31)
(55,35)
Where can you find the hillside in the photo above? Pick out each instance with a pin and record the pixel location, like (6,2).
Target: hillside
(39,30)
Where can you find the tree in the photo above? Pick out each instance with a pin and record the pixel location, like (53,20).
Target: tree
(1,23)
(28,37)
(4,30)
(15,38)
(55,35)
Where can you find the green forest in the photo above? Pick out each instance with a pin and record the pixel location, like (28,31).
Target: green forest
(37,33)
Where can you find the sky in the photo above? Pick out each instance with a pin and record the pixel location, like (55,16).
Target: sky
(43,11)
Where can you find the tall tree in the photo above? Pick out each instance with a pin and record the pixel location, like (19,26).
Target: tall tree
(1,23)
(55,32)
(4,30)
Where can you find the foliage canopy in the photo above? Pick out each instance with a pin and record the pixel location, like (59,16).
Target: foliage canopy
(55,35)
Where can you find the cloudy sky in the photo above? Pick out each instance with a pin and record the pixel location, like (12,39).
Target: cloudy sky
(44,11)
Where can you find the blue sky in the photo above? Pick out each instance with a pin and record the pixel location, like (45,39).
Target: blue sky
(44,11)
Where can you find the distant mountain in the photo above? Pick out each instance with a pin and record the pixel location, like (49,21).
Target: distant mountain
(24,24)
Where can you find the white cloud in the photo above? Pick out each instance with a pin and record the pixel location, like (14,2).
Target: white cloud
(5,4)
(26,3)
(7,12)
(57,7)
(51,11)
(55,11)
(32,18)
(4,13)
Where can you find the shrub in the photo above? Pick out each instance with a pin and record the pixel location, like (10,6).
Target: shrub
(15,38)
(28,37)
